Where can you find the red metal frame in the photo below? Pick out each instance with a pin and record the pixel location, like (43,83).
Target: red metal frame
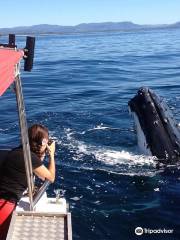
(9,58)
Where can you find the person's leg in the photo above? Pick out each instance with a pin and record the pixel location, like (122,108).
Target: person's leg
(6,209)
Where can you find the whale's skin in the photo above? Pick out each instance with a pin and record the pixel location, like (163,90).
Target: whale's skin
(158,133)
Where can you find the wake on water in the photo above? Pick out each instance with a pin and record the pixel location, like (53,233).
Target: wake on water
(103,158)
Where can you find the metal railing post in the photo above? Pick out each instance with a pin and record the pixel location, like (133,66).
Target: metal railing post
(25,138)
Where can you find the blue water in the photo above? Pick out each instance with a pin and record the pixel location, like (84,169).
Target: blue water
(79,88)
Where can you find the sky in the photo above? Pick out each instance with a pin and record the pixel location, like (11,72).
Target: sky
(73,12)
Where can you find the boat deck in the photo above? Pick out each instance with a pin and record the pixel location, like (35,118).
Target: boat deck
(41,226)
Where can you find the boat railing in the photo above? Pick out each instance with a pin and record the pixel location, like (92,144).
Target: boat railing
(35,214)
(28,55)
(40,192)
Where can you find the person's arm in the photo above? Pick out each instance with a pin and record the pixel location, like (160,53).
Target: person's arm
(47,172)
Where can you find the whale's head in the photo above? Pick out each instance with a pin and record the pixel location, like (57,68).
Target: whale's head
(158,133)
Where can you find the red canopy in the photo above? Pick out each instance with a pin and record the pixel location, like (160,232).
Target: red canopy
(8,60)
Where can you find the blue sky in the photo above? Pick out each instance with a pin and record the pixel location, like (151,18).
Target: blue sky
(72,12)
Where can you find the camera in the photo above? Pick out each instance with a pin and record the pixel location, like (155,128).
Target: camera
(50,142)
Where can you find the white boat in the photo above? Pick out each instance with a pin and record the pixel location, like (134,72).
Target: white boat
(36,216)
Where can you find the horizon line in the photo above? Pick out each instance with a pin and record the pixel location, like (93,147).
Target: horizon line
(55,24)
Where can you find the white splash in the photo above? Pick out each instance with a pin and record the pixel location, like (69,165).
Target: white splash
(125,162)
(76,198)
(113,157)
(99,127)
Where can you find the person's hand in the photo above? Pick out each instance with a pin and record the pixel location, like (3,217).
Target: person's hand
(51,149)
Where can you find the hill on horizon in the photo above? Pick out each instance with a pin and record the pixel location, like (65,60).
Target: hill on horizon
(83,27)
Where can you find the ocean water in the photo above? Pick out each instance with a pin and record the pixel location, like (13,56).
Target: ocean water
(79,88)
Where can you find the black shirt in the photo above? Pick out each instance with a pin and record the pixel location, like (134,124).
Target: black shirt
(13,180)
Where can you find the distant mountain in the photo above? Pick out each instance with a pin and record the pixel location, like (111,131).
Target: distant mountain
(84,27)
(106,26)
(177,24)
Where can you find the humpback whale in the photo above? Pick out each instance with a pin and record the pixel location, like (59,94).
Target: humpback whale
(158,133)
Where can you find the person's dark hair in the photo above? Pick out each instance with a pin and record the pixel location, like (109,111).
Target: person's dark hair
(36,134)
